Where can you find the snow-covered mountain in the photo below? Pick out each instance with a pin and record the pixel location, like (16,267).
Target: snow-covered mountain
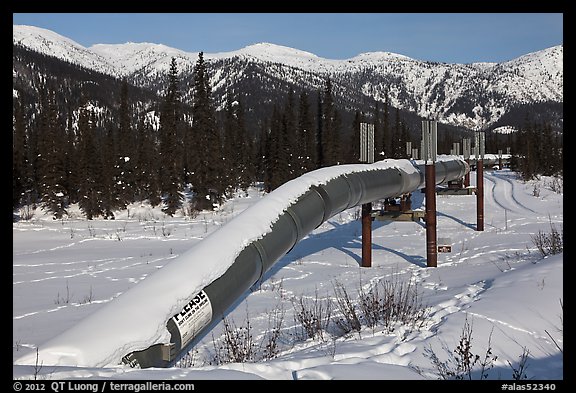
(468,95)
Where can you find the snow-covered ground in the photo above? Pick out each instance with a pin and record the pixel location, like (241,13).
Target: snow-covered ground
(494,284)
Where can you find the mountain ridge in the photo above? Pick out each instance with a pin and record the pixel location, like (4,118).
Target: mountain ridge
(470,95)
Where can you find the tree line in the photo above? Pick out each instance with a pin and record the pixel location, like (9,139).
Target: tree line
(194,158)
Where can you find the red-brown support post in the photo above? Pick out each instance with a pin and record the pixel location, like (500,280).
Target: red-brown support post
(366,235)
(431,250)
(479,194)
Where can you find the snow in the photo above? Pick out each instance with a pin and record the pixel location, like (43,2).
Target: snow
(67,273)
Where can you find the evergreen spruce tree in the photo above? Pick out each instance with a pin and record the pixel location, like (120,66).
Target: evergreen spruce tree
(306,145)
(328,126)
(170,168)
(404,137)
(244,149)
(71,160)
(320,159)
(277,170)
(231,168)
(263,158)
(395,139)
(209,184)
(52,147)
(111,173)
(337,151)
(354,150)
(19,157)
(91,188)
(126,148)
(146,175)
(385,130)
(289,134)
(378,138)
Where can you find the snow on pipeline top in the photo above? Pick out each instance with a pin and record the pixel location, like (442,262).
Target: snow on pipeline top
(137,318)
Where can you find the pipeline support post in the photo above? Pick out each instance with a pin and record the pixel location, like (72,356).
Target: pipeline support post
(480,148)
(366,235)
(429,143)
(367,155)
(431,252)
(479,195)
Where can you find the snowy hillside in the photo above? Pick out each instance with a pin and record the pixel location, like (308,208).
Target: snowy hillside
(135,57)
(469,95)
(494,283)
(52,44)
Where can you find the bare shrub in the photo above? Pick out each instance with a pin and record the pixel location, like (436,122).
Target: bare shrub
(392,302)
(549,243)
(64,299)
(313,316)
(536,190)
(556,184)
(27,212)
(271,338)
(348,320)
(461,360)
(519,371)
(236,345)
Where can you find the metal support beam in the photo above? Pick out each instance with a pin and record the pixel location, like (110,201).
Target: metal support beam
(367,235)
(480,196)
(431,252)
(480,150)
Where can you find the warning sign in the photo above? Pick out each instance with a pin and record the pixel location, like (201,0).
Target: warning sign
(444,248)
(194,316)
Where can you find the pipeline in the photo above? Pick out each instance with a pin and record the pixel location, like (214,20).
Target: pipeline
(353,186)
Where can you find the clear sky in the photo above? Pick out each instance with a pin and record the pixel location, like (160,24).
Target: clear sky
(443,37)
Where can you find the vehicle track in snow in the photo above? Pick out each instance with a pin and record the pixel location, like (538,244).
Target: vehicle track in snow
(509,190)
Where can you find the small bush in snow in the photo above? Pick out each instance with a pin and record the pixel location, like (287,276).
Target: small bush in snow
(237,344)
(549,243)
(313,316)
(392,302)
(556,184)
(462,361)
(349,319)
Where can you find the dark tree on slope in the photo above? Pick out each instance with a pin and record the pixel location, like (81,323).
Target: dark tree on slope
(306,138)
(277,151)
(328,128)
(378,138)
(237,147)
(289,134)
(111,181)
(385,132)
(71,167)
(126,147)
(91,189)
(353,156)
(245,150)
(146,173)
(320,159)
(395,140)
(208,181)
(52,152)
(404,137)
(170,163)
(537,150)
(20,168)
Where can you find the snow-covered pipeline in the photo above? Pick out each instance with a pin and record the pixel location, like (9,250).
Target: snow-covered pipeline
(164,315)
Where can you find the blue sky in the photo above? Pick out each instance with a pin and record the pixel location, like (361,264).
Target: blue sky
(443,37)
